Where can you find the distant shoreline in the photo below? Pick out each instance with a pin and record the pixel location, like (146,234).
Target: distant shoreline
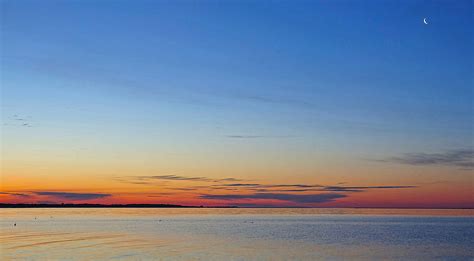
(8,205)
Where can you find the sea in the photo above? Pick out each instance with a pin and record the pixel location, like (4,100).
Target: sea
(235,234)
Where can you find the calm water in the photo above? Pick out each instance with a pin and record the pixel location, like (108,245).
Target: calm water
(236,234)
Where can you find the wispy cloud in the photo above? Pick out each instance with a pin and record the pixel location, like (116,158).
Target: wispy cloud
(462,158)
(46,202)
(59,195)
(267,185)
(184,189)
(362,188)
(71,195)
(306,187)
(229,179)
(175,177)
(15,194)
(272,99)
(144,180)
(295,198)
(18,121)
(244,136)
(257,136)
(240,185)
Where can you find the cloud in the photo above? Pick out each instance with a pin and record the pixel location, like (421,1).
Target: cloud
(362,188)
(160,195)
(305,187)
(267,185)
(294,185)
(256,136)
(244,136)
(462,158)
(174,177)
(184,189)
(46,202)
(15,194)
(72,196)
(139,182)
(144,180)
(18,121)
(296,198)
(273,99)
(230,179)
(241,185)
(285,190)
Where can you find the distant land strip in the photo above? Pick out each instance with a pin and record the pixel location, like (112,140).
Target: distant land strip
(7,205)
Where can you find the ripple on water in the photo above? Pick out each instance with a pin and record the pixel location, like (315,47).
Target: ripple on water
(224,237)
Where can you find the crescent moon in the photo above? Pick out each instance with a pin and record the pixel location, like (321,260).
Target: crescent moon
(424,21)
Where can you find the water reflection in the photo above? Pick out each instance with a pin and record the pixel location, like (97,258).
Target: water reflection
(223,234)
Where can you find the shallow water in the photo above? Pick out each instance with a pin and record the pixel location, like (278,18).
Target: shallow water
(236,234)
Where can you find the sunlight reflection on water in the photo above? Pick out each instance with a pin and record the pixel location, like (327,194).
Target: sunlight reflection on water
(238,234)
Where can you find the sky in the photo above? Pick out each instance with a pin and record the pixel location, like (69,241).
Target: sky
(238,103)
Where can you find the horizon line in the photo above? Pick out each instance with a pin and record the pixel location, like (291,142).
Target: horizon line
(138,205)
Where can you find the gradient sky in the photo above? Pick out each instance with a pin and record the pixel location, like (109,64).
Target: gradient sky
(248,103)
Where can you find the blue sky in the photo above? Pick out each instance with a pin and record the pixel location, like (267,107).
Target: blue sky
(351,79)
(372,65)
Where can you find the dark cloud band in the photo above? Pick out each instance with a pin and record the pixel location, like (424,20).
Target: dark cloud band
(462,158)
(296,198)
(72,196)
